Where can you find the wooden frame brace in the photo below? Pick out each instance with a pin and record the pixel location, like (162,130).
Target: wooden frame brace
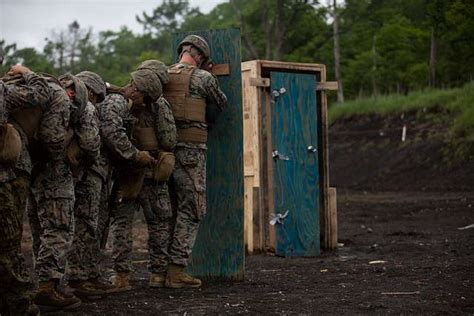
(221,69)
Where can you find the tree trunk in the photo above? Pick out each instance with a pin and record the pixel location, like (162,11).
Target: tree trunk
(245,38)
(337,55)
(433,57)
(280,30)
(374,67)
(267,27)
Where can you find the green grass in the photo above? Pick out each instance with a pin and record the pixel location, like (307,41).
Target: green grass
(457,102)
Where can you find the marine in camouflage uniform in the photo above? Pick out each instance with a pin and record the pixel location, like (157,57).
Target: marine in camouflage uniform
(203,101)
(154,196)
(53,200)
(128,163)
(16,286)
(84,155)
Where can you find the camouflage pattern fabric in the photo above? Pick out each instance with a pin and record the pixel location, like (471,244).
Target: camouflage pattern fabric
(87,132)
(154,197)
(114,119)
(80,98)
(155,202)
(121,222)
(189,186)
(83,258)
(16,286)
(188,182)
(16,289)
(148,82)
(53,190)
(94,82)
(159,68)
(33,91)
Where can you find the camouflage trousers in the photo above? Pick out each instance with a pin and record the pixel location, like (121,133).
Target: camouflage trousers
(188,186)
(84,254)
(51,220)
(16,286)
(155,202)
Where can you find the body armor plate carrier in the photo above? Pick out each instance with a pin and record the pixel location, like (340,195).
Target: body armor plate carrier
(184,106)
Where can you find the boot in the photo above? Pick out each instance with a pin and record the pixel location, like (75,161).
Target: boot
(86,290)
(102,285)
(157,279)
(121,282)
(176,278)
(48,299)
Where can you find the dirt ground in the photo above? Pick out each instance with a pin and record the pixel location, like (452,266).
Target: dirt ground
(401,250)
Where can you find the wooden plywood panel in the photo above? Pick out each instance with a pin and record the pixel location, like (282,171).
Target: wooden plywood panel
(296,169)
(219,248)
(248,214)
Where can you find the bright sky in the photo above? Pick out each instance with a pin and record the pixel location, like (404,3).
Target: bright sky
(29,22)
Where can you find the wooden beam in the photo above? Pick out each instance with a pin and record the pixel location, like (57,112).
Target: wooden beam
(260,82)
(327,85)
(332,231)
(221,69)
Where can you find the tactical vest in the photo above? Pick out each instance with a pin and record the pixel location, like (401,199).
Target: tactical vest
(185,107)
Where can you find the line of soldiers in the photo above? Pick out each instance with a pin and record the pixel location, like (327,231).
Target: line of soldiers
(81,156)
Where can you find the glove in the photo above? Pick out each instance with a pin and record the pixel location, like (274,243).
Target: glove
(144,159)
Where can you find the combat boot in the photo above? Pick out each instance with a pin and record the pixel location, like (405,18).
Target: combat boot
(103,285)
(48,299)
(85,289)
(176,278)
(157,279)
(121,282)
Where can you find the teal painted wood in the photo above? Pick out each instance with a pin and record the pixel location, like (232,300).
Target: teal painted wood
(219,248)
(296,181)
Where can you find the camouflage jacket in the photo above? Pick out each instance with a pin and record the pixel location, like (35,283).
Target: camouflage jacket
(87,132)
(203,85)
(159,116)
(31,91)
(53,177)
(116,123)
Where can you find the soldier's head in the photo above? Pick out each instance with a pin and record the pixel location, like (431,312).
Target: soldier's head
(159,68)
(75,89)
(196,46)
(144,87)
(96,87)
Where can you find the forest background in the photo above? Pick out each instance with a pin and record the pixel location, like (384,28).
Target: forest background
(385,46)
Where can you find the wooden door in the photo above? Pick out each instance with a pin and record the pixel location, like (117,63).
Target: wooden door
(295,164)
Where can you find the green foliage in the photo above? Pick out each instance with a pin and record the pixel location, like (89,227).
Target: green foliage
(385,45)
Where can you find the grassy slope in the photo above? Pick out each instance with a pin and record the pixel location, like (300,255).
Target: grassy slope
(458,103)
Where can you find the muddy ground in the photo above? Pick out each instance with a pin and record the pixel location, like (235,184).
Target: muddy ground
(401,250)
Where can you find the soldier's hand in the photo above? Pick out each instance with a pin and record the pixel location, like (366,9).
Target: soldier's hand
(18,70)
(144,159)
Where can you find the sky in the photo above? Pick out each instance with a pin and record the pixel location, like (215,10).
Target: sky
(29,22)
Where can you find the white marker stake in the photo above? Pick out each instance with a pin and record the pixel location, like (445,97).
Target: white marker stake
(404,133)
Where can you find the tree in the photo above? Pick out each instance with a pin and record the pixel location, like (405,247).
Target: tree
(337,54)
(65,48)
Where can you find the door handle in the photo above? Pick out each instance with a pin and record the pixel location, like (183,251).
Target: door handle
(277,155)
(312,149)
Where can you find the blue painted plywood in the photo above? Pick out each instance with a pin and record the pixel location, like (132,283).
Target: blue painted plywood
(219,248)
(296,180)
